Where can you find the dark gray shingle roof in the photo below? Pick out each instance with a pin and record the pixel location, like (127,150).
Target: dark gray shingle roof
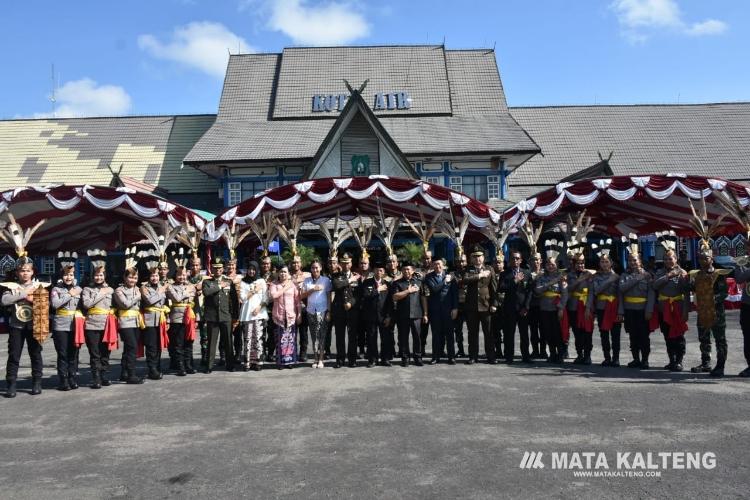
(700,139)
(261,89)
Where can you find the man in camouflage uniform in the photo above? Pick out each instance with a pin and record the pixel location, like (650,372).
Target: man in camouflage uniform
(710,286)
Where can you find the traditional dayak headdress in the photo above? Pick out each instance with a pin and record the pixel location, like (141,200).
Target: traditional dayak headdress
(577,233)
(160,242)
(265,230)
(335,236)
(728,199)
(386,229)
(531,235)
(131,259)
(289,228)
(15,236)
(98,258)
(424,231)
(668,240)
(190,236)
(455,232)
(362,233)
(233,237)
(497,234)
(66,259)
(179,258)
(703,227)
(603,248)
(631,241)
(553,248)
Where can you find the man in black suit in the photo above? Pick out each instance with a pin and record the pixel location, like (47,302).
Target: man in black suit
(515,283)
(376,315)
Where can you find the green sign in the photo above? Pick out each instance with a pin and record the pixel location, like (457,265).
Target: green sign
(360,165)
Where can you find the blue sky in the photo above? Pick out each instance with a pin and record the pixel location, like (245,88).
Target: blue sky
(167,56)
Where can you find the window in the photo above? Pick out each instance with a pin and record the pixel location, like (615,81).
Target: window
(456,183)
(433,179)
(474,186)
(235,193)
(48,266)
(272,184)
(493,187)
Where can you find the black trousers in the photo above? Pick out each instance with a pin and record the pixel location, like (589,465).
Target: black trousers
(302,335)
(413,327)
(129,337)
(458,328)
(220,331)
(745,325)
(583,340)
(511,320)
(538,342)
(549,327)
(496,324)
(637,327)
(67,353)
(329,330)
(16,339)
(373,328)
(610,338)
(177,342)
(424,332)
(442,335)
(473,320)
(346,324)
(152,346)
(98,351)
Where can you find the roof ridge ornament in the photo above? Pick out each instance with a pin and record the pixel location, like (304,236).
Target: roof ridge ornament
(358,91)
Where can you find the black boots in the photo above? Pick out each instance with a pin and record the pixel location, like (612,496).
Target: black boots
(704,367)
(180,369)
(607,359)
(96,379)
(36,386)
(64,384)
(204,357)
(586,357)
(189,369)
(154,374)
(73,381)
(615,358)
(644,361)
(636,363)
(677,367)
(579,357)
(718,370)
(10,392)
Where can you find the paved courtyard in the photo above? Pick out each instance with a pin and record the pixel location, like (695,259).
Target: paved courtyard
(436,431)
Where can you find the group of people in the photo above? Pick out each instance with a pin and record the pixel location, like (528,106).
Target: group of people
(384,312)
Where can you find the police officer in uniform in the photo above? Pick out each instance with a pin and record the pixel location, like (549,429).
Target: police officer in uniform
(515,283)
(345,305)
(216,291)
(376,316)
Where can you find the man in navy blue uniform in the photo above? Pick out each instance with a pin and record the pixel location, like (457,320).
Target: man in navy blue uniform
(440,303)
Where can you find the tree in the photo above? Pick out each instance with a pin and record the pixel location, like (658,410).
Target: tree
(307,254)
(411,253)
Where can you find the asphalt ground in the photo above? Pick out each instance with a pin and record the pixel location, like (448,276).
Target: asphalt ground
(435,431)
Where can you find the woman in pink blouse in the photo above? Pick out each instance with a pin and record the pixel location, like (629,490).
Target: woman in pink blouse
(287,310)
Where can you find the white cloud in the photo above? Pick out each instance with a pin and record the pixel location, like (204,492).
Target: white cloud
(202,45)
(639,18)
(86,98)
(333,23)
(707,27)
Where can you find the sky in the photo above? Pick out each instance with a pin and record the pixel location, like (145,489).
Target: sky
(153,57)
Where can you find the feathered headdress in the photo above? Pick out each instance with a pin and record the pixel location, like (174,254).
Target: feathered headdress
(604,247)
(703,227)
(179,258)
(631,241)
(362,233)
(67,259)
(667,239)
(577,233)
(336,236)
(97,257)
(497,234)
(233,236)
(160,242)
(131,259)
(15,236)
(732,204)
(386,229)
(553,248)
(531,235)
(289,230)
(265,230)
(424,231)
(456,232)
(150,258)
(190,236)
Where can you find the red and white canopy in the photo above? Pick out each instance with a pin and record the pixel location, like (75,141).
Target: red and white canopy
(643,204)
(82,217)
(321,199)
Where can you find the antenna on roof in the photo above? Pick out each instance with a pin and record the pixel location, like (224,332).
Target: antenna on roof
(443,40)
(53,94)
